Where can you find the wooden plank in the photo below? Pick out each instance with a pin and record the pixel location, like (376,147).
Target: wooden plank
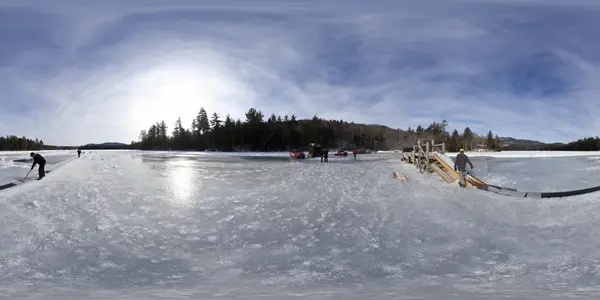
(451,170)
(476,181)
(398,176)
(441,172)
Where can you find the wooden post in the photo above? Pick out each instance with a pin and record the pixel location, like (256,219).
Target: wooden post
(427,151)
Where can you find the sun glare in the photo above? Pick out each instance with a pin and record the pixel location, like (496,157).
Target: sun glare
(182,178)
(179,89)
(166,94)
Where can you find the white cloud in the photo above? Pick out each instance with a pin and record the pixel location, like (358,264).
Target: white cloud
(122,66)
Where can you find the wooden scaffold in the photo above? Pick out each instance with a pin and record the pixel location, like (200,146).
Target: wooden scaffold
(424,158)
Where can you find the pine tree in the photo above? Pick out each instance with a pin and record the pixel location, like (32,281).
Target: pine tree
(178,128)
(164,138)
(272,119)
(467,138)
(420,131)
(179,135)
(490,141)
(254,117)
(497,145)
(215,122)
(454,142)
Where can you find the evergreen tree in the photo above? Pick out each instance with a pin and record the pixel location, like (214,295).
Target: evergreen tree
(215,122)
(163,137)
(420,131)
(490,143)
(181,137)
(454,144)
(278,133)
(202,120)
(497,146)
(14,143)
(467,138)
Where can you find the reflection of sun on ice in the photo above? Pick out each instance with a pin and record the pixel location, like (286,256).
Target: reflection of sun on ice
(182,180)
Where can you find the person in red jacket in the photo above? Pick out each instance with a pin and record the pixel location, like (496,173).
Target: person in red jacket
(354,152)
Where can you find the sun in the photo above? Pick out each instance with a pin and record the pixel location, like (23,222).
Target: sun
(166,93)
(180,88)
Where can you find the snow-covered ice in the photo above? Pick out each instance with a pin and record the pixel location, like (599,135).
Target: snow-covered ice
(129,224)
(530,154)
(15,164)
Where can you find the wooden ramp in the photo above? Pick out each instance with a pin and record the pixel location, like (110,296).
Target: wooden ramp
(446,164)
(430,157)
(442,173)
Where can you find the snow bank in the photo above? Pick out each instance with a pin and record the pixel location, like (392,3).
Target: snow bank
(518,154)
(529,154)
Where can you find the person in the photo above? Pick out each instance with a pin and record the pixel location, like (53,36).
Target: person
(78,153)
(324,155)
(41,161)
(460,165)
(354,152)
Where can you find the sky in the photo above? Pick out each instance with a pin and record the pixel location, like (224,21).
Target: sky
(77,72)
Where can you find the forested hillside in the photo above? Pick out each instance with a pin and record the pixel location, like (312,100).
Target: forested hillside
(277,133)
(14,143)
(585,144)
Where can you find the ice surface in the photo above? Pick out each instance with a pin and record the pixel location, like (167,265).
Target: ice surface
(519,154)
(530,154)
(126,224)
(15,164)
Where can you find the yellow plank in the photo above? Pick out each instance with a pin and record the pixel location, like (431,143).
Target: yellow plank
(476,180)
(441,172)
(398,176)
(450,169)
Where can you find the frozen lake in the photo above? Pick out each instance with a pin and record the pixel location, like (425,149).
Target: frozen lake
(132,225)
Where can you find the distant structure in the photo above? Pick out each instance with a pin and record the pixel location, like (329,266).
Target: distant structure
(481,148)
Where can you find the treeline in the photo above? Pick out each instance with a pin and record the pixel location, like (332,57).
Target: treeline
(255,133)
(584,144)
(277,133)
(14,143)
(468,140)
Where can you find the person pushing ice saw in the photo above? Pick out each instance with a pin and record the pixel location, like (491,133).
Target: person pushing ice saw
(41,161)
(460,166)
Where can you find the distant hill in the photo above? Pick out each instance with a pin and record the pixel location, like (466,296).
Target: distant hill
(509,143)
(107,145)
(394,138)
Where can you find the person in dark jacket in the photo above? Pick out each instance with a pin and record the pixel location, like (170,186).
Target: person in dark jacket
(78,153)
(41,161)
(460,165)
(325,155)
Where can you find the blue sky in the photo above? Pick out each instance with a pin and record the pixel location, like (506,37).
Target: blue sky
(74,72)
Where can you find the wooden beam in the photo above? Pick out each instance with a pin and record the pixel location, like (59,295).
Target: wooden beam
(442,173)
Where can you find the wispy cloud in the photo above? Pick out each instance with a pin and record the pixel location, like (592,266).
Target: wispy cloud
(74,72)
